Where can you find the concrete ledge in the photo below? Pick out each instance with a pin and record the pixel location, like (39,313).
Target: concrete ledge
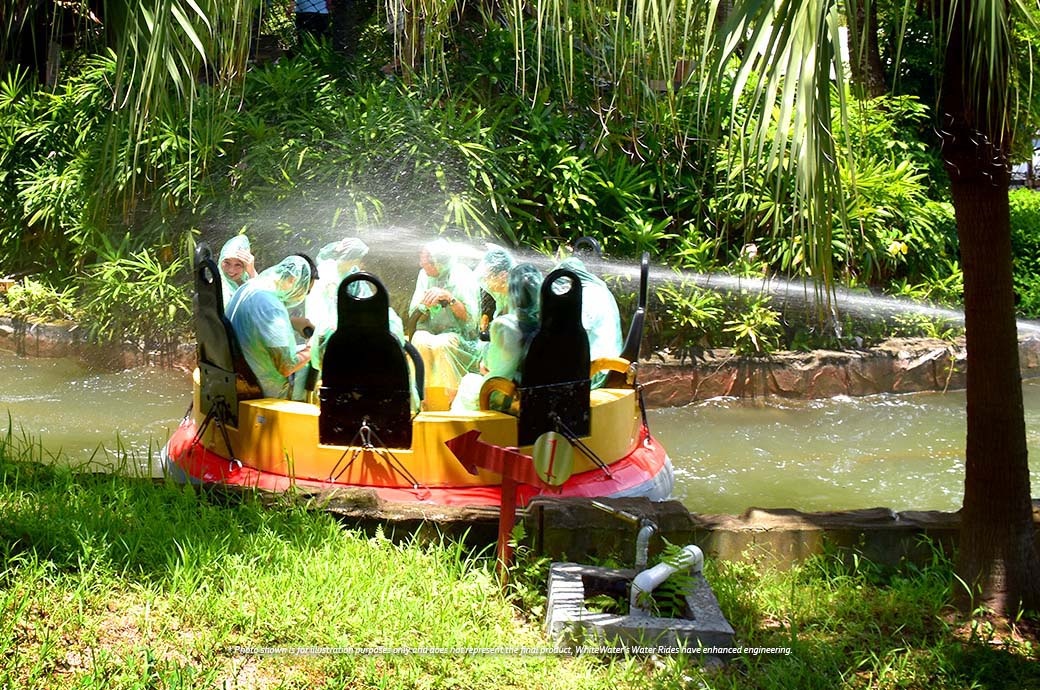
(575,530)
(476,526)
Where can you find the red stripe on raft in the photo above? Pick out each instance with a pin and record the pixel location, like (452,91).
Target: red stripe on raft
(637,468)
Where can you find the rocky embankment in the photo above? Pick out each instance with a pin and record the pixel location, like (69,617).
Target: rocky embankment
(71,340)
(895,366)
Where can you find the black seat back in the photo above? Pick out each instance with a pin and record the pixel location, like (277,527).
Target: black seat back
(223,372)
(364,372)
(554,380)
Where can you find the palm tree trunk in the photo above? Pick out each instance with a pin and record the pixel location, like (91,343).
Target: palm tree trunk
(997,557)
(868,74)
(997,549)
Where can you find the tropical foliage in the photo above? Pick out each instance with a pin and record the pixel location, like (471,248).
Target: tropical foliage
(312,146)
(137,297)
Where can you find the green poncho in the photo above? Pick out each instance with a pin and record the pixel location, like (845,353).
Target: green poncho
(495,265)
(448,344)
(510,335)
(259,315)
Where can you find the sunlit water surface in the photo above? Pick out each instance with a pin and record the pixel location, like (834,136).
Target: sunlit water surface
(903,452)
(899,451)
(96,418)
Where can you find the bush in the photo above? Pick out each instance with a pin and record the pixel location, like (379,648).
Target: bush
(139,299)
(1025,248)
(34,301)
(756,328)
(685,318)
(893,229)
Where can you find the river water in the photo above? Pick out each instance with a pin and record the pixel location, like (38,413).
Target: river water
(99,419)
(903,452)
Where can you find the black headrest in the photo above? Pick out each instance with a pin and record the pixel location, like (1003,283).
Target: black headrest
(554,383)
(559,350)
(364,371)
(362,350)
(211,334)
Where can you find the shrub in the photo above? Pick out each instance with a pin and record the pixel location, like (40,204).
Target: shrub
(139,299)
(1025,247)
(756,328)
(685,318)
(31,300)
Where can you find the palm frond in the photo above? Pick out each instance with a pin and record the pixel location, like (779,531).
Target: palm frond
(783,63)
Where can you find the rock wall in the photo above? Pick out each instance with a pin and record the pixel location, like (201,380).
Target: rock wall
(70,340)
(896,366)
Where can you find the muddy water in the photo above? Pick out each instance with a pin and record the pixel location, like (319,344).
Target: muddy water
(903,452)
(900,451)
(104,419)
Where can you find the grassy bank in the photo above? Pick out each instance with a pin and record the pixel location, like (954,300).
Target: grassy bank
(109,582)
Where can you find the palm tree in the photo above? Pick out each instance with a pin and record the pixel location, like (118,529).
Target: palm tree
(164,49)
(997,556)
(998,553)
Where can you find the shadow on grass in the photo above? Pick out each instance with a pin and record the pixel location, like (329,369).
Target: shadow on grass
(142,526)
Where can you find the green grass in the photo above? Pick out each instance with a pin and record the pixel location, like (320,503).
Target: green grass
(852,623)
(113,582)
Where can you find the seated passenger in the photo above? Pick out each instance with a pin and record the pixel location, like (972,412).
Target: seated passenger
(444,306)
(259,316)
(492,276)
(336,261)
(511,333)
(599,316)
(236,266)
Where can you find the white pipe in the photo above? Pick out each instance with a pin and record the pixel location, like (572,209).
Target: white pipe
(643,543)
(690,558)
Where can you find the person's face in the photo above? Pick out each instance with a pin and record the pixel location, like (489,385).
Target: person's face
(428,265)
(233,269)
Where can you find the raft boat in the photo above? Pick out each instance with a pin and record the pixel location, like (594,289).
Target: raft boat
(363,433)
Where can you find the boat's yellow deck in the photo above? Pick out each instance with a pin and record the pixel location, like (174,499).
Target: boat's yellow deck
(281,436)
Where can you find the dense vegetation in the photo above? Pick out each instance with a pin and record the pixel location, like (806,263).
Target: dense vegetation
(313,146)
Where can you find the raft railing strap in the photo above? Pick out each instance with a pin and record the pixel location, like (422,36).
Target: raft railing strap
(580,445)
(418,367)
(642,406)
(366,434)
(218,413)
